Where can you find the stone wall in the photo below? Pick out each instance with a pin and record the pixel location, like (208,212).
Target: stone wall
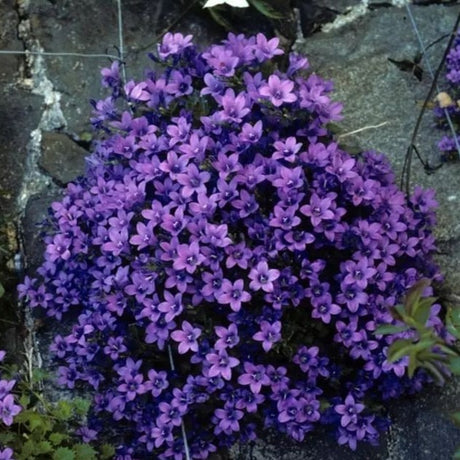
(44,127)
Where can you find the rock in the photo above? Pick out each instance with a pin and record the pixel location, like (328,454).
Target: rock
(62,158)
(36,213)
(19,112)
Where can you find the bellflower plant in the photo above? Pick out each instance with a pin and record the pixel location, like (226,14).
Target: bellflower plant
(449,101)
(223,264)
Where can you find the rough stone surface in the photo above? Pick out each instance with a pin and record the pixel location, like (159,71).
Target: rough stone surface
(62,158)
(373,90)
(19,111)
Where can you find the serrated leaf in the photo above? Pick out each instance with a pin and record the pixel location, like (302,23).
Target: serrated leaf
(39,375)
(57,438)
(81,406)
(24,400)
(64,453)
(107,451)
(84,452)
(390,329)
(63,410)
(44,447)
(6,437)
(35,421)
(27,451)
(264,7)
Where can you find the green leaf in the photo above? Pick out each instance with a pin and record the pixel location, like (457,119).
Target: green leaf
(453,321)
(84,452)
(57,438)
(44,447)
(399,349)
(399,312)
(107,451)
(34,421)
(220,19)
(81,406)
(264,7)
(390,329)
(457,454)
(64,453)
(2,290)
(454,365)
(24,400)
(63,410)
(6,437)
(413,364)
(413,296)
(456,417)
(27,451)
(422,310)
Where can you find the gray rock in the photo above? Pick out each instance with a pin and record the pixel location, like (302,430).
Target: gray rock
(62,158)
(19,111)
(35,215)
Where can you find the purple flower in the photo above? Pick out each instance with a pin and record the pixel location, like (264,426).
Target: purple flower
(286,150)
(268,334)
(228,419)
(262,277)
(254,376)
(186,337)
(156,382)
(8,409)
(234,107)
(59,248)
(6,454)
(349,411)
(188,257)
(173,44)
(221,364)
(228,337)
(278,91)
(358,273)
(266,49)
(233,294)
(319,209)
(193,181)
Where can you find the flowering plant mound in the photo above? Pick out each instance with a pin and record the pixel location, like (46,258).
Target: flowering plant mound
(224,264)
(449,101)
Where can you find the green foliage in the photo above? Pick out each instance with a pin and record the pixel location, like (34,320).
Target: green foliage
(44,430)
(425,349)
(267,8)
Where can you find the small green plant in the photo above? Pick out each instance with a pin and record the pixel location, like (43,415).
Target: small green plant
(422,344)
(43,429)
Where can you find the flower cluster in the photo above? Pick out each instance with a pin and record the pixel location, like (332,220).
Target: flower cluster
(224,264)
(8,409)
(449,101)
